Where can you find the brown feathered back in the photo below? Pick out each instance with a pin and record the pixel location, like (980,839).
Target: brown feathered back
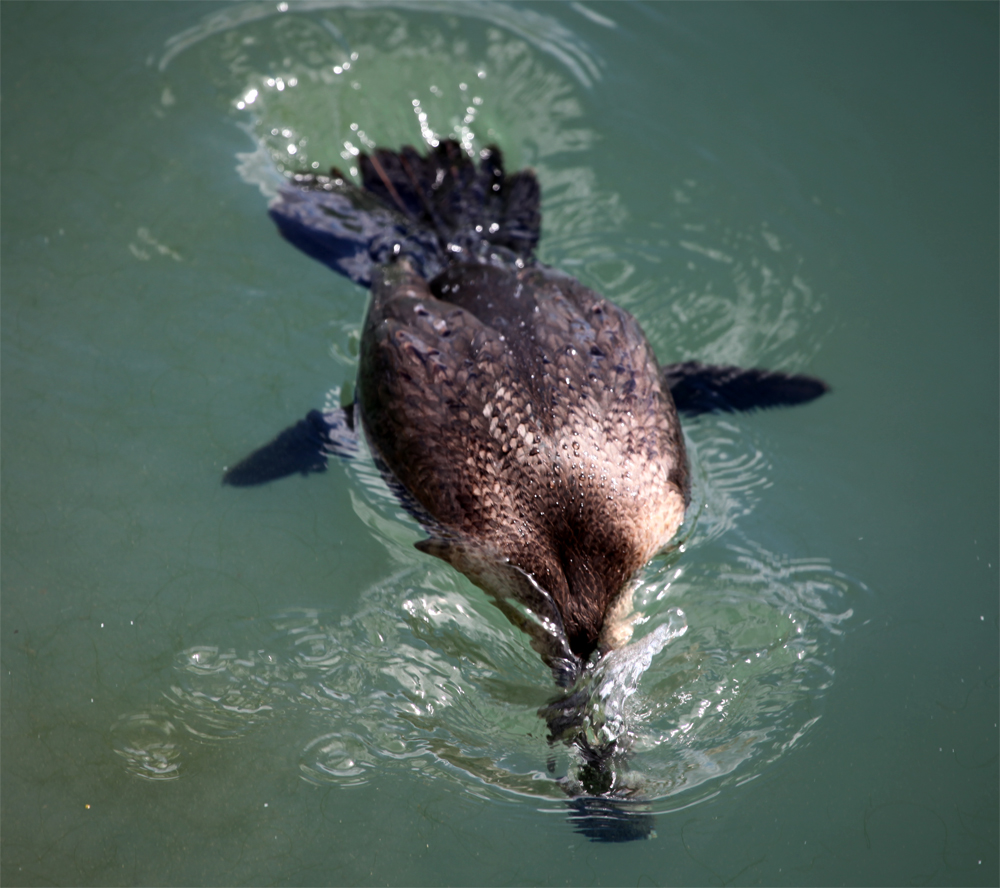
(525,414)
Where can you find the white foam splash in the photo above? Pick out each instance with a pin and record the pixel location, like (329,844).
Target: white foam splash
(620,671)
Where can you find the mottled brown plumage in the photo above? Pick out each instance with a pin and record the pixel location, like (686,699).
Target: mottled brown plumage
(525,414)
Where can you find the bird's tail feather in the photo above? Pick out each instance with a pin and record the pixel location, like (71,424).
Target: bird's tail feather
(433,209)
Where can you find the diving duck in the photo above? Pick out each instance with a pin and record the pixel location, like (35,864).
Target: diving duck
(521,417)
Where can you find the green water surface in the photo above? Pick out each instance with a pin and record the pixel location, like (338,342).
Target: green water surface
(208,686)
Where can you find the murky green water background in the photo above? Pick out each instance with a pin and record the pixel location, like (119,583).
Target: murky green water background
(209,686)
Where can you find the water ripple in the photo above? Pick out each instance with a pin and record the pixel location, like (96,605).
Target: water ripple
(148,746)
(427,676)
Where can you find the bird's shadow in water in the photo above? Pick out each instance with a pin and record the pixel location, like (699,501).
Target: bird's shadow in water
(598,813)
(604,808)
(610,820)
